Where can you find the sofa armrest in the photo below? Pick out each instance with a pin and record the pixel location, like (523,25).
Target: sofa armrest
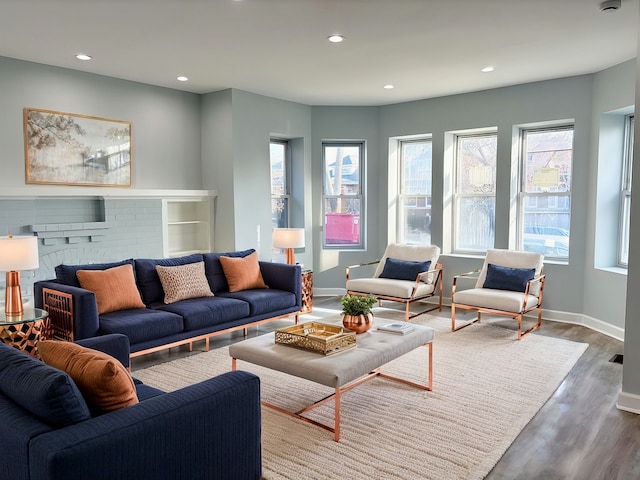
(114,344)
(283,276)
(85,307)
(210,430)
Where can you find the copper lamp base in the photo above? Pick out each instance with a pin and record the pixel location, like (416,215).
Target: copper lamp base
(13,295)
(291,256)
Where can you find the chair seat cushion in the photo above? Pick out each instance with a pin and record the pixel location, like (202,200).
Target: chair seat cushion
(505,300)
(389,287)
(263,300)
(207,311)
(141,324)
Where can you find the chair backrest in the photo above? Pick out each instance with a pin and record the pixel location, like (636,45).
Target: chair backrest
(412,253)
(513,259)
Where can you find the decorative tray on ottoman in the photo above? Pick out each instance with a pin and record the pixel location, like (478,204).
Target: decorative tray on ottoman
(317,337)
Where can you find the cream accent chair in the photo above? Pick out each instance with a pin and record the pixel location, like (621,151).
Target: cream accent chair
(502,302)
(426,284)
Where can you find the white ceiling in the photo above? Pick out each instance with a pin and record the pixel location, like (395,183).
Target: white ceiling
(278,48)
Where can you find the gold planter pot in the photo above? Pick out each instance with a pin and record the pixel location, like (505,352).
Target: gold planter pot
(358,323)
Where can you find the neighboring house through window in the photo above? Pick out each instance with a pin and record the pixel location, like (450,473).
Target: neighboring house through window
(342,199)
(545,190)
(474,192)
(414,202)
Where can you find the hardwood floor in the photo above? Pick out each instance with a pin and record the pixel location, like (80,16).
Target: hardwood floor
(579,434)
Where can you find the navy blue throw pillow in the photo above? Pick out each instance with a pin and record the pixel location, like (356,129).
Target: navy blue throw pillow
(508,278)
(403,269)
(46,392)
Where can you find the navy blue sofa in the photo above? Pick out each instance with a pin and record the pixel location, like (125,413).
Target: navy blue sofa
(210,430)
(161,325)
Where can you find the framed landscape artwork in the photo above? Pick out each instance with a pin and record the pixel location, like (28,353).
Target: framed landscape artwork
(69,149)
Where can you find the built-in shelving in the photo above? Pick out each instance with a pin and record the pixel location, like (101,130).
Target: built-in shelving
(186,226)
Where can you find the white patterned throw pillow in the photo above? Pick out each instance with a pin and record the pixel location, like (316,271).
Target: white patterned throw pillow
(183,281)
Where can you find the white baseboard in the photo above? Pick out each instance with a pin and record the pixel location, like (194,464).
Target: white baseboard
(604,327)
(547,315)
(629,402)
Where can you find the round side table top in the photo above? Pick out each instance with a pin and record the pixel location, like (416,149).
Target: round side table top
(30,314)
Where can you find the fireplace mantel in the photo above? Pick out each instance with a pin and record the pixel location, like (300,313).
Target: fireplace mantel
(48,191)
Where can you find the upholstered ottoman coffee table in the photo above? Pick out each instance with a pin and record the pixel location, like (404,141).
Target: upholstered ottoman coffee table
(340,371)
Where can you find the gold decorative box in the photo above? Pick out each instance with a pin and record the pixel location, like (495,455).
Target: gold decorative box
(317,337)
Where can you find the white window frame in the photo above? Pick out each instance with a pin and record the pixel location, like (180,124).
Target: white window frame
(357,196)
(457,196)
(402,196)
(625,193)
(523,195)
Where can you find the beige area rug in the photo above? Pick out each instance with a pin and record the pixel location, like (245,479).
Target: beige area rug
(487,387)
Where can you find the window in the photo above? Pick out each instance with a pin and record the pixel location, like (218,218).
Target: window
(625,195)
(414,206)
(545,200)
(474,192)
(342,194)
(279,157)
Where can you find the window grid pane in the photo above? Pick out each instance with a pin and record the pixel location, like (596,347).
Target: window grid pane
(545,212)
(278,152)
(414,203)
(625,197)
(475,190)
(342,194)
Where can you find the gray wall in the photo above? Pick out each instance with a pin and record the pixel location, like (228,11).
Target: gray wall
(236,164)
(165,155)
(347,123)
(613,97)
(630,393)
(165,128)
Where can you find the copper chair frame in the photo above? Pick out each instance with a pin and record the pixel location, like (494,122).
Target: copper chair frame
(437,287)
(517,316)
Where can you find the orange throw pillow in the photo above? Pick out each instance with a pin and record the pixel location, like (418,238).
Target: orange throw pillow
(242,273)
(105,383)
(115,288)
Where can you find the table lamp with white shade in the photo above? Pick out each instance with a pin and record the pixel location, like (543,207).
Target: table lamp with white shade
(288,238)
(16,254)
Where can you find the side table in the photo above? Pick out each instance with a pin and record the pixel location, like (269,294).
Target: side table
(24,331)
(307,292)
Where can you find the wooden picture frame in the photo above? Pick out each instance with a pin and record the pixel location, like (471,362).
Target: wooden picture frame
(70,149)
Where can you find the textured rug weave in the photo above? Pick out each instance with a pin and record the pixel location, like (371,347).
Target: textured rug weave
(487,387)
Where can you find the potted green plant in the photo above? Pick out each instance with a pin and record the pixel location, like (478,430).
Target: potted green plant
(356,311)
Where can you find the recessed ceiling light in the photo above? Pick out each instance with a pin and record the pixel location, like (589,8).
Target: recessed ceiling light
(82,56)
(335,38)
(182,79)
(388,86)
(610,5)
(487,69)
